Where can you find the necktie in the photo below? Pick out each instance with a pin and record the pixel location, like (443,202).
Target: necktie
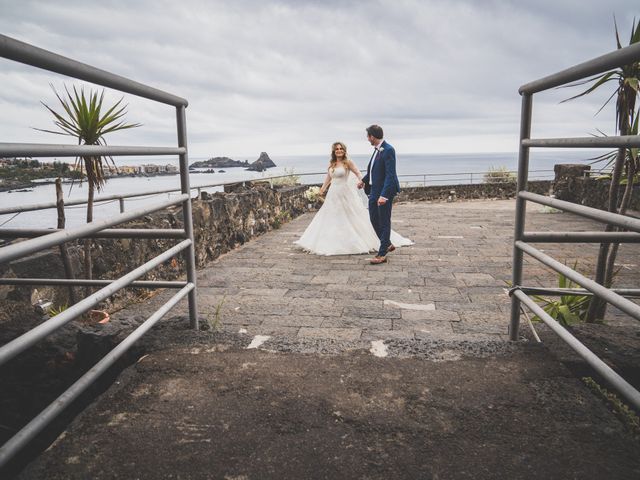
(374,157)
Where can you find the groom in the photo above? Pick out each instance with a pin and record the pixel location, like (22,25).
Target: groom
(381,184)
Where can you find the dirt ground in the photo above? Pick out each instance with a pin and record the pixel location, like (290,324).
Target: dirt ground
(216,411)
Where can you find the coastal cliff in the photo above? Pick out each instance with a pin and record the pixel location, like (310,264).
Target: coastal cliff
(262,163)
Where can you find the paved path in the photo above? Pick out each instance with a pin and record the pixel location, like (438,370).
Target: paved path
(450,285)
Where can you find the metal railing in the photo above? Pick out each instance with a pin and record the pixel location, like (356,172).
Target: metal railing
(407,180)
(27,54)
(519,293)
(464,178)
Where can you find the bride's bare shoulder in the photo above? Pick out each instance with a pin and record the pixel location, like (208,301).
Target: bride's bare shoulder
(350,165)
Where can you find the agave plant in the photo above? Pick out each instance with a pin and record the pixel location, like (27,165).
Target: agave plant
(627,79)
(566,309)
(88,119)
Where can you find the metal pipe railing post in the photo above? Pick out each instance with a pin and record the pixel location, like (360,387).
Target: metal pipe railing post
(121,201)
(627,390)
(521,209)
(37,57)
(35,426)
(190,253)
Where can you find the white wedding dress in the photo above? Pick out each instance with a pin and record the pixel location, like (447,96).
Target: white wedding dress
(342,226)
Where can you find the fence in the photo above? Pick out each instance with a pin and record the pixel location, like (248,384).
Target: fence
(406,180)
(36,57)
(519,293)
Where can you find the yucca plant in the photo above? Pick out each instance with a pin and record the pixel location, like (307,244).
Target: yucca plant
(566,309)
(88,119)
(627,79)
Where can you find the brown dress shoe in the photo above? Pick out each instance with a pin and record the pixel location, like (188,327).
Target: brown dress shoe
(378,260)
(391,248)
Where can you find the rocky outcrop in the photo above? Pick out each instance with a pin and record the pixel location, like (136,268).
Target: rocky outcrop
(219,162)
(262,163)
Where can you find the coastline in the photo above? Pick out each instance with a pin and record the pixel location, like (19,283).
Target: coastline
(27,186)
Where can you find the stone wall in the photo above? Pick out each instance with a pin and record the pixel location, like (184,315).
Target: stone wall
(222,221)
(469,192)
(573,184)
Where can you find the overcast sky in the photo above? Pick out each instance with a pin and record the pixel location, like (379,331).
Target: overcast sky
(291,77)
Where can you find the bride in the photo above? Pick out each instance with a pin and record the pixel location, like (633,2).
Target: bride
(342,225)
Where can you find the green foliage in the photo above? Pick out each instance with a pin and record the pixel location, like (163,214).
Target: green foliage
(626,78)
(631,160)
(627,81)
(289,180)
(214,321)
(53,311)
(281,218)
(500,175)
(88,119)
(24,163)
(620,409)
(24,170)
(61,168)
(566,309)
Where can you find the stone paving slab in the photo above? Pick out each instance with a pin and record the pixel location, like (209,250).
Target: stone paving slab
(460,264)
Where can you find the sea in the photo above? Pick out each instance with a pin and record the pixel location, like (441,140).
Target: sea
(413,169)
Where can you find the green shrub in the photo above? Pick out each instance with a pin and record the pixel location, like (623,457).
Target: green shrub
(566,309)
(290,180)
(500,175)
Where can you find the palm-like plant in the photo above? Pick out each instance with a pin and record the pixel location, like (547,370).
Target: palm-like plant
(88,119)
(567,309)
(627,79)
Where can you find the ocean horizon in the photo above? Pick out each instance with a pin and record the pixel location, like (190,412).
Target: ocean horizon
(413,169)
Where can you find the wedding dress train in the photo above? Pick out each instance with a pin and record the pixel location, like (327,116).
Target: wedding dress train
(342,226)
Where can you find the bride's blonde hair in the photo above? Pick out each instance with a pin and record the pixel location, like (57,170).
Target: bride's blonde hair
(334,159)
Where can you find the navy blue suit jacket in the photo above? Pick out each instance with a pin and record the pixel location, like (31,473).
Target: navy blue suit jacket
(385,180)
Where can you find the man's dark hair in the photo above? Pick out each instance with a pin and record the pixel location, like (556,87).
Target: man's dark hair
(375,131)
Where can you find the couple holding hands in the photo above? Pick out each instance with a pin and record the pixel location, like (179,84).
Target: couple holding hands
(343,226)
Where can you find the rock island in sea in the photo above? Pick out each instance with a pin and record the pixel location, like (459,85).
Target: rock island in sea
(262,163)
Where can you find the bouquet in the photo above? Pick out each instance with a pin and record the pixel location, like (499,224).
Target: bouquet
(313,194)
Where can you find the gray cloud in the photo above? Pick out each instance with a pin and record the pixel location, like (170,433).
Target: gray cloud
(289,77)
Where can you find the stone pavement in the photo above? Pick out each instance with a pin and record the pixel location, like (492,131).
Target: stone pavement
(450,285)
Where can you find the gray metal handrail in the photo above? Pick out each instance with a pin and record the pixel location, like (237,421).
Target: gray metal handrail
(600,64)
(519,293)
(97,200)
(37,57)
(4,233)
(21,249)
(20,344)
(30,55)
(20,439)
(49,150)
(622,141)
